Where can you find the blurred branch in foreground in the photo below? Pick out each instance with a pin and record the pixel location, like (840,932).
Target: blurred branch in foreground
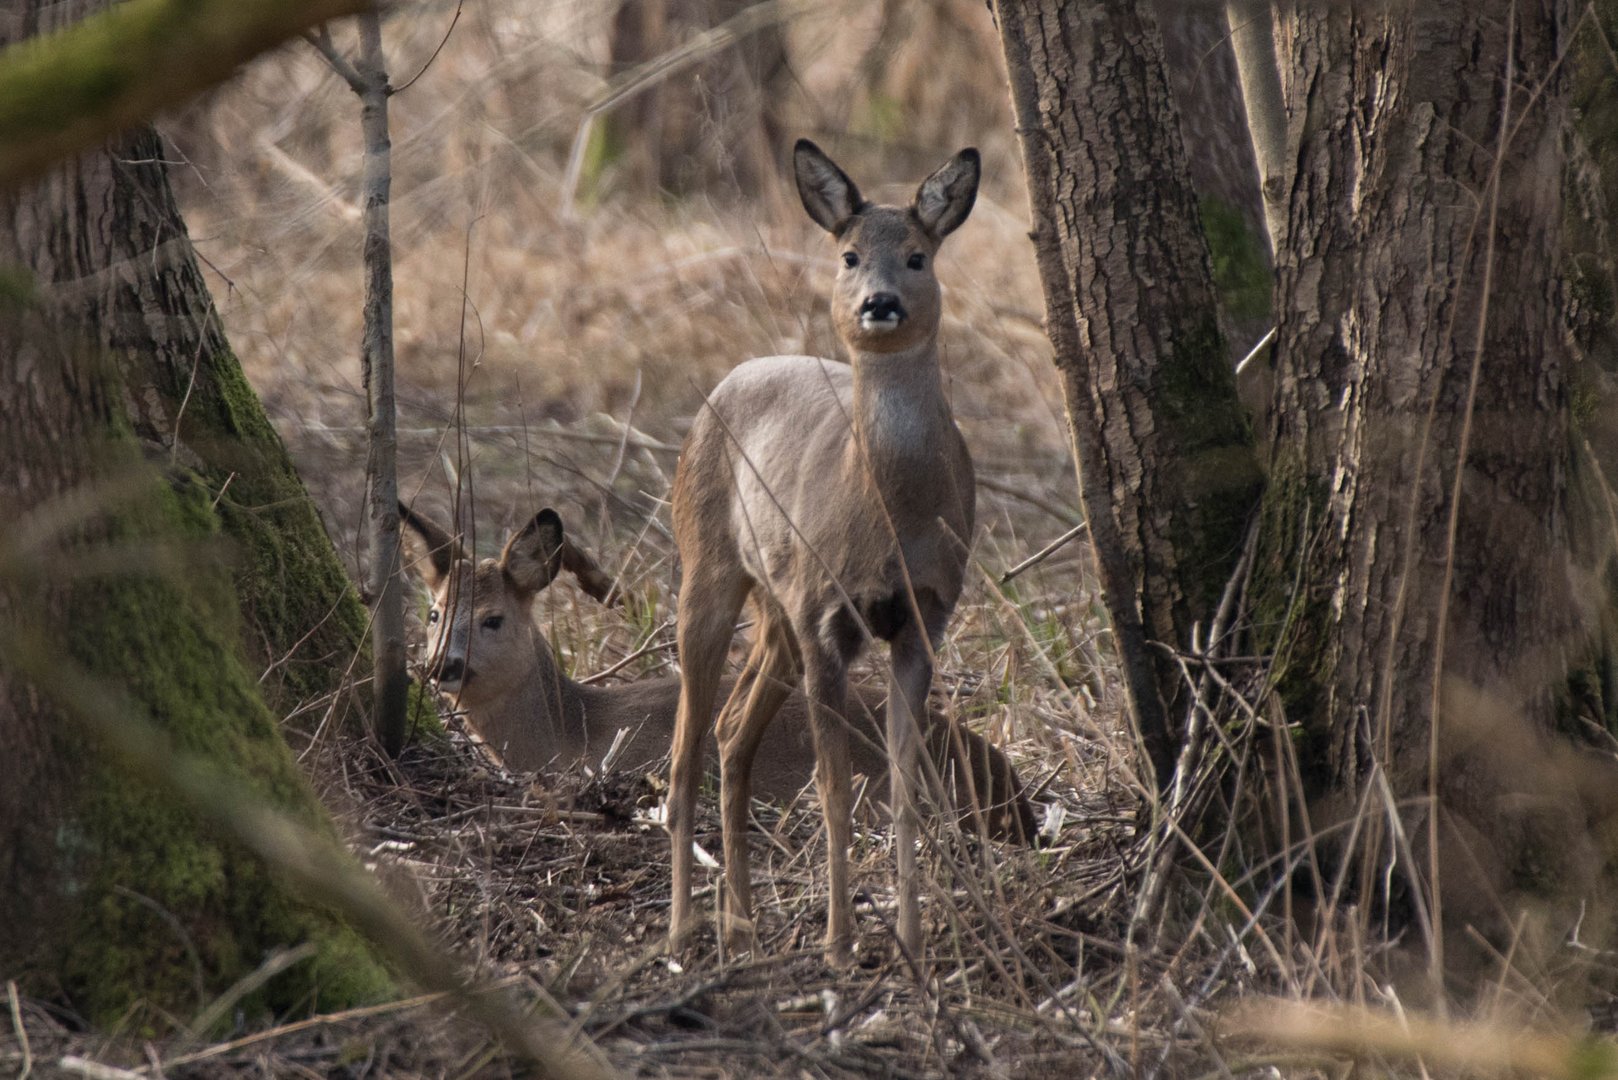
(66,91)
(1481,1048)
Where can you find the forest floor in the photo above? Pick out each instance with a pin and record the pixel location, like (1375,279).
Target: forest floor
(555,888)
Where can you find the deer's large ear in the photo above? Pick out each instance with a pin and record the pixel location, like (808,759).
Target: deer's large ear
(533,557)
(593,580)
(428,548)
(828,194)
(946,197)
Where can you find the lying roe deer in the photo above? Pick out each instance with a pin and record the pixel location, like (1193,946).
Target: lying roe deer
(839,498)
(486,652)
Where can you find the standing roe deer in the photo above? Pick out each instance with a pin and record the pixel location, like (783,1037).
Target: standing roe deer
(839,497)
(485,651)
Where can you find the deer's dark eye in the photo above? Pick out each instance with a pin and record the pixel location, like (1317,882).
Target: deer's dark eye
(851,259)
(494,622)
(917,261)
(432,616)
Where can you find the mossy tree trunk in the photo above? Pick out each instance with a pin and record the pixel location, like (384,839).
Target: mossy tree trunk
(137,293)
(1423,465)
(1167,468)
(1419,580)
(120,394)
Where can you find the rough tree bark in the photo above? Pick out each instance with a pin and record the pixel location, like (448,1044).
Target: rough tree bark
(1423,469)
(1167,469)
(110,356)
(1417,578)
(187,399)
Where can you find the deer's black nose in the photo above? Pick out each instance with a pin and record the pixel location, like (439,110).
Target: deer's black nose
(882,307)
(453,669)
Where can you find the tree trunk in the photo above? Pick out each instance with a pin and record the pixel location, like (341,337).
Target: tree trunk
(713,129)
(1167,469)
(110,894)
(1207,93)
(1417,577)
(1252,39)
(391,680)
(1423,469)
(185,397)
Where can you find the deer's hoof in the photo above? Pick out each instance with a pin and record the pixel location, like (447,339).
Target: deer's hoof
(739,934)
(680,935)
(839,954)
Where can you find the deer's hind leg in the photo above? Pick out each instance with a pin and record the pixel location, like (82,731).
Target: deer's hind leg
(771,673)
(703,637)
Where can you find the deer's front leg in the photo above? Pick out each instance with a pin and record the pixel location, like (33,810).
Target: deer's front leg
(826,686)
(910,676)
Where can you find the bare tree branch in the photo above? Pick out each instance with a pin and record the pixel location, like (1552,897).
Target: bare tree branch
(326,47)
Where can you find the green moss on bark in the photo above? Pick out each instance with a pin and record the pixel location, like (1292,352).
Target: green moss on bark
(166,911)
(304,618)
(1196,391)
(1241,274)
(421,713)
(1290,619)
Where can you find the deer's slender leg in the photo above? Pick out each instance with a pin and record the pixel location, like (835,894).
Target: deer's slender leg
(910,674)
(826,686)
(771,673)
(703,637)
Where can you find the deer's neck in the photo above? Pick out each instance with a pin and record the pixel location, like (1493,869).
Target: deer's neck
(541,723)
(900,413)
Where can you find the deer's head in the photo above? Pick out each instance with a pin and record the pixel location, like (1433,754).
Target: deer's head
(482,641)
(886,298)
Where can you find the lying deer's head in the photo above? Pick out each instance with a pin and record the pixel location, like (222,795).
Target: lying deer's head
(886,298)
(482,641)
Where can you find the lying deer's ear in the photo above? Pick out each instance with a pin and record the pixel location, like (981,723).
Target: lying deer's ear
(533,557)
(428,548)
(946,197)
(828,194)
(593,580)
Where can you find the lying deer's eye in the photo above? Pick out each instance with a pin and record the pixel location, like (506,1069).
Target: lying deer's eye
(432,616)
(493,622)
(851,259)
(917,261)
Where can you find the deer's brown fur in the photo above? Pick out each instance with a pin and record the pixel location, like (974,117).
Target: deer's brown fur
(532,716)
(838,498)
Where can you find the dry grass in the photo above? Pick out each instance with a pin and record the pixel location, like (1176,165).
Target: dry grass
(550,353)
